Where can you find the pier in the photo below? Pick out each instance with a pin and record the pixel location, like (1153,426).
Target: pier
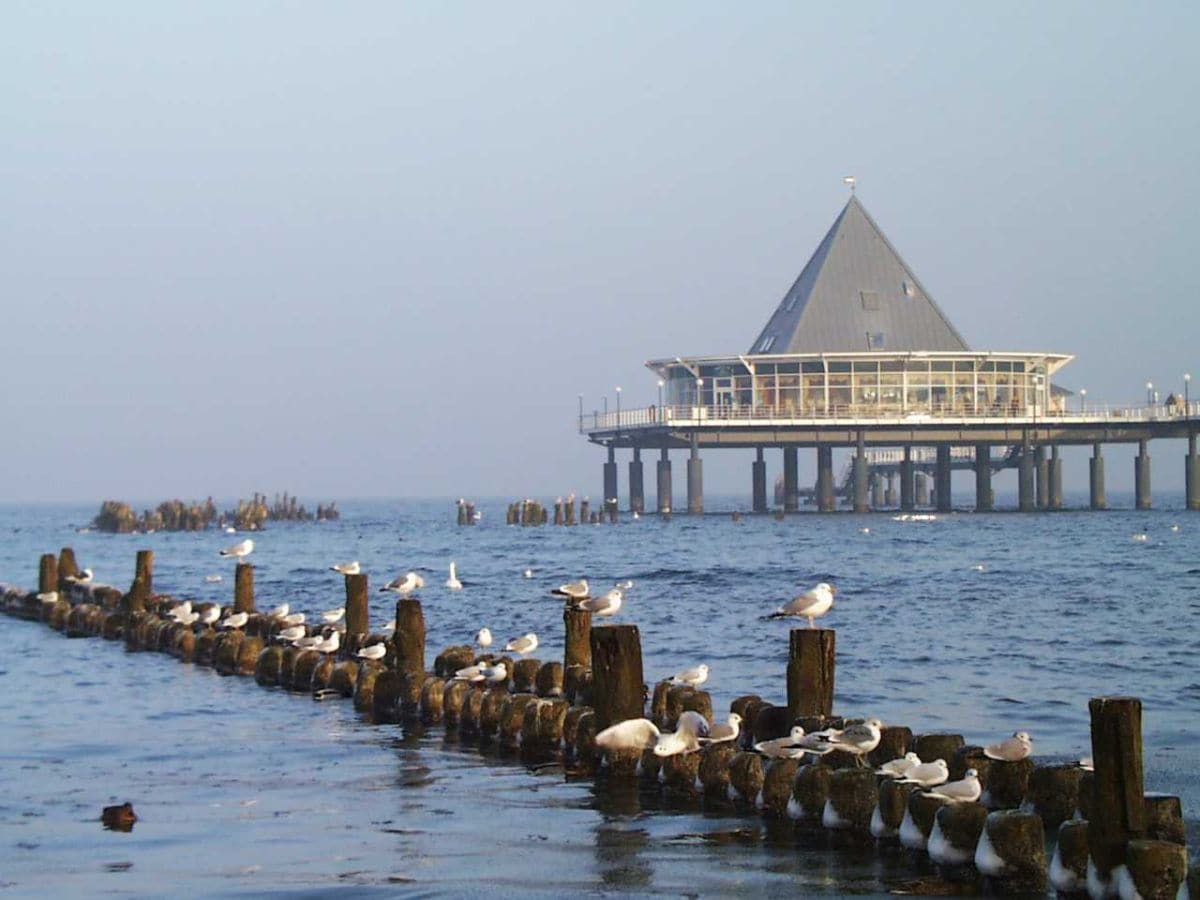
(858,356)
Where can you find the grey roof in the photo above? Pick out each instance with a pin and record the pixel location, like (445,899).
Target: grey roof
(856,293)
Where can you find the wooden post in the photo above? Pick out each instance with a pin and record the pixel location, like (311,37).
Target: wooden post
(409,642)
(617,672)
(143,581)
(810,672)
(1118,809)
(358,614)
(67,567)
(47,573)
(578,646)
(243,588)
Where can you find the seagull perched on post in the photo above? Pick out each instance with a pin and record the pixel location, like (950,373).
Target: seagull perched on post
(607,604)
(404,584)
(858,739)
(812,604)
(240,549)
(350,568)
(693,677)
(573,590)
(523,645)
(1019,746)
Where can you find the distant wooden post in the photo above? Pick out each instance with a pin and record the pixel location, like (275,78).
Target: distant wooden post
(1117,815)
(67,567)
(409,641)
(578,644)
(358,616)
(243,588)
(617,674)
(47,573)
(143,581)
(810,672)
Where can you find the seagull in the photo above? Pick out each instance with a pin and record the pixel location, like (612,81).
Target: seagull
(685,738)
(334,615)
(523,645)
(476,672)
(575,590)
(280,611)
(291,633)
(236,620)
(212,579)
(898,768)
(810,605)
(48,597)
(858,739)
(306,643)
(625,585)
(608,604)
(210,615)
(528,573)
(1140,537)
(484,638)
(632,734)
(929,774)
(966,790)
(375,651)
(1019,746)
(84,577)
(390,626)
(719,734)
(187,618)
(292,618)
(978,568)
(693,677)
(350,568)
(404,584)
(180,609)
(785,747)
(496,673)
(240,549)
(452,582)
(329,644)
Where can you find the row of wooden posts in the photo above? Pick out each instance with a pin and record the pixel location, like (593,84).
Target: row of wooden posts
(556,709)
(533,512)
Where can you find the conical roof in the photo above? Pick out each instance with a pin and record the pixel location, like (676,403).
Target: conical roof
(856,294)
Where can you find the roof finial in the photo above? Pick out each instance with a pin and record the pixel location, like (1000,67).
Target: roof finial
(850,180)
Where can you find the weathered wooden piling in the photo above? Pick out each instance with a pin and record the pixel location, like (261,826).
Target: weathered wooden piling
(618,686)
(1053,793)
(542,726)
(364,686)
(432,691)
(1011,853)
(774,797)
(917,824)
(714,769)
(1006,783)
(937,746)
(577,685)
(810,792)
(344,678)
(143,578)
(1153,870)
(47,573)
(585,515)
(1117,813)
(358,610)
(577,646)
(955,835)
(268,665)
(490,709)
(454,694)
(453,659)
(810,669)
(770,722)
(67,568)
(549,680)
(680,772)
(243,588)
(889,814)
(1068,867)
(894,742)
(524,675)
(1164,818)
(409,643)
(853,796)
(745,776)
(570,730)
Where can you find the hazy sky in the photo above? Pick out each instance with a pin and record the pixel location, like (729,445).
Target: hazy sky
(379,249)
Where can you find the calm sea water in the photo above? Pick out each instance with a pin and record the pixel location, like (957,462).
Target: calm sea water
(246,791)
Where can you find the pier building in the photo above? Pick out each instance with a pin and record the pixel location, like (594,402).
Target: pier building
(858,355)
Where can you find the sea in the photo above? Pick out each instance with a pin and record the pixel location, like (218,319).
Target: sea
(982,624)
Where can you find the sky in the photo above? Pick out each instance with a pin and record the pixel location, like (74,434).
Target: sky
(381,249)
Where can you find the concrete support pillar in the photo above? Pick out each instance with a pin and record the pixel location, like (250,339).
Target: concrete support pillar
(695,478)
(921,489)
(1054,470)
(664,482)
(943,478)
(758,480)
(610,475)
(637,487)
(791,483)
(1141,476)
(1041,477)
(1098,500)
(1191,475)
(891,498)
(984,500)
(906,480)
(861,477)
(1025,491)
(877,499)
(825,498)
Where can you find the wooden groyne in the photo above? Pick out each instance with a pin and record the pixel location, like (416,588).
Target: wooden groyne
(1033,822)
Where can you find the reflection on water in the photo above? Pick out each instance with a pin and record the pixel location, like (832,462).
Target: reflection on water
(241,790)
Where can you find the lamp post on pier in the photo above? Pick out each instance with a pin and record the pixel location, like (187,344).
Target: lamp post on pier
(618,404)
(1187,380)
(1082,400)
(1149,393)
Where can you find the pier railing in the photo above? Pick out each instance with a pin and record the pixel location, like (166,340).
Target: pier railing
(878,414)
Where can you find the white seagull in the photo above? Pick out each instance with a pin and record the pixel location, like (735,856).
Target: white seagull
(898,768)
(607,604)
(496,673)
(330,644)
(523,645)
(280,611)
(575,590)
(84,577)
(404,584)
(929,774)
(859,739)
(375,651)
(966,790)
(291,633)
(685,738)
(484,638)
(210,615)
(1019,746)
(235,620)
(334,615)
(719,734)
(48,597)
(452,582)
(292,618)
(350,568)
(812,604)
(240,549)
(693,677)
(632,734)
(476,672)
(789,747)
